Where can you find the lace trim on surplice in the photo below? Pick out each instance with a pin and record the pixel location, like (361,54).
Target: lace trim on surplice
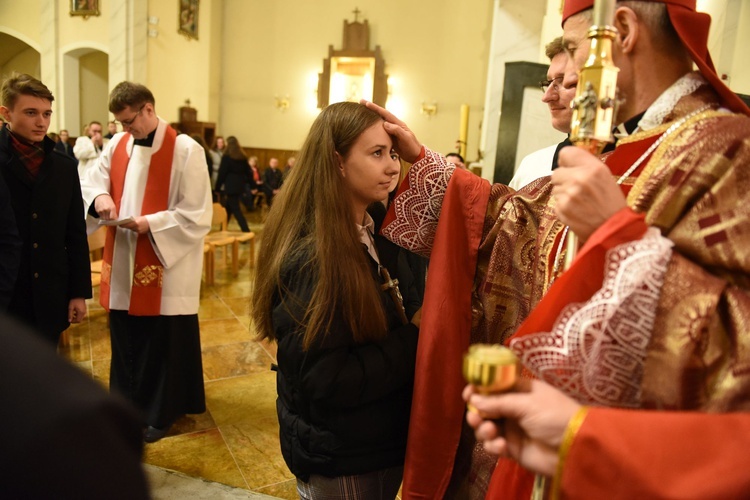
(418,208)
(596,350)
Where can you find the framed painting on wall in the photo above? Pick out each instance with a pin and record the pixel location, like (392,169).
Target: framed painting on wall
(84,8)
(188,19)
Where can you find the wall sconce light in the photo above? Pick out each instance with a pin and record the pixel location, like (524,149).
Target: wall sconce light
(282,103)
(153,26)
(429,108)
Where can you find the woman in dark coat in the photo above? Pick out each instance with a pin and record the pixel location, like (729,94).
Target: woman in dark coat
(346,341)
(234,175)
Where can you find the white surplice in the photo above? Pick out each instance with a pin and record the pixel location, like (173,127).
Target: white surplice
(176,233)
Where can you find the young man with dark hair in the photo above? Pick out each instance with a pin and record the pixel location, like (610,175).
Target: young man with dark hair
(54,275)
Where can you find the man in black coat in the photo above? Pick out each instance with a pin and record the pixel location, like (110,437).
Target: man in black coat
(64,146)
(62,435)
(54,276)
(10,247)
(272,180)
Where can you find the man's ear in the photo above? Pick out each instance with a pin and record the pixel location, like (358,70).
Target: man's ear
(5,112)
(628,28)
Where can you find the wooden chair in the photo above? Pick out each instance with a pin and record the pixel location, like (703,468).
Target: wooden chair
(208,262)
(261,202)
(96,250)
(222,237)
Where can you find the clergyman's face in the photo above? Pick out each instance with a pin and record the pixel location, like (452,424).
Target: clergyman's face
(577,46)
(29,118)
(558,96)
(138,121)
(576,42)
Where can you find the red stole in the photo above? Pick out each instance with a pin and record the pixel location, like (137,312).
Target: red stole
(145,295)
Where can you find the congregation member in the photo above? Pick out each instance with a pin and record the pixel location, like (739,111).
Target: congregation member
(152,183)
(64,437)
(290,162)
(251,200)
(557,97)
(217,150)
(273,178)
(593,452)
(456,159)
(88,147)
(64,146)
(255,172)
(53,278)
(327,293)
(111,130)
(209,159)
(662,224)
(234,178)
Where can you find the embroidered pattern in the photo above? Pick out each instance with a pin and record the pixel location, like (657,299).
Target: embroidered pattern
(597,349)
(106,273)
(418,207)
(148,276)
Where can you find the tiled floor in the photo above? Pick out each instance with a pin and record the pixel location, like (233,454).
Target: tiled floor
(236,441)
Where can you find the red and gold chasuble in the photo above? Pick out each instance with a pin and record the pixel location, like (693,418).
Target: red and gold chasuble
(146,291)
(510,480)
(690,190)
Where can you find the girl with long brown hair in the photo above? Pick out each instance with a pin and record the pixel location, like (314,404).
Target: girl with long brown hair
(325,292)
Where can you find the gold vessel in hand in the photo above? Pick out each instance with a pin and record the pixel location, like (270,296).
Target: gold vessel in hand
(490,368)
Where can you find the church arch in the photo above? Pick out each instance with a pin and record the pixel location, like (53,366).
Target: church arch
(19,54)
(84,86)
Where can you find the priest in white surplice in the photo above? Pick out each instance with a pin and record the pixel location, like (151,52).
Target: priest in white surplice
(154,184)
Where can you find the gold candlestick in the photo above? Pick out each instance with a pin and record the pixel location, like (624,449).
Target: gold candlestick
(490,368)
(463,130)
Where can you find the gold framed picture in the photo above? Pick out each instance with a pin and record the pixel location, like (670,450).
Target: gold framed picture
(188,19)
(84,8)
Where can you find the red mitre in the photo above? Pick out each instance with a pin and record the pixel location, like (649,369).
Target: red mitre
(692,28)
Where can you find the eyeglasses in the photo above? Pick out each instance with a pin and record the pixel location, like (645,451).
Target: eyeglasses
(129,123)
(555,83)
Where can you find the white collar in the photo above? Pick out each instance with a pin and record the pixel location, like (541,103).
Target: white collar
(666,102)
(366,231)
